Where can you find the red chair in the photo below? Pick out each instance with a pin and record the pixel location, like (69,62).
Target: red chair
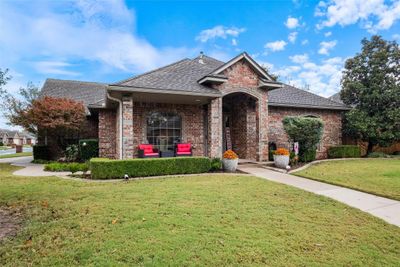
(147,151)
(183,150)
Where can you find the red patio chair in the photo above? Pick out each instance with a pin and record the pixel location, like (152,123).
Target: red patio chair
(183,150)
(147,151)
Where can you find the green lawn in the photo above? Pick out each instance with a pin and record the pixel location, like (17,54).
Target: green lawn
(198,220)
(23,154)
(376,176)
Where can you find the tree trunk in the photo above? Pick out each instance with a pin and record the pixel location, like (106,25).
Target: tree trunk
(370,147)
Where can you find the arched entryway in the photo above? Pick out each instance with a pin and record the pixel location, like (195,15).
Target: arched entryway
(241,125)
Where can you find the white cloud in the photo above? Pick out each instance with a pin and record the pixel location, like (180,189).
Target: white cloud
(325,47)
(304,42)
(396,36)
(292,23)
(55,67)
(299,59)
(292,37)
(276,46)
(373,15)
(102,32)
(327,34)
(234,42)
(218,32)
(322,78)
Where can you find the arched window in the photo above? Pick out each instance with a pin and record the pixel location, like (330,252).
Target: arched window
(164,130)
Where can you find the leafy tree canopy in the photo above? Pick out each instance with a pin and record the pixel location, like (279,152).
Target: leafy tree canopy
(306,131)
(371,84)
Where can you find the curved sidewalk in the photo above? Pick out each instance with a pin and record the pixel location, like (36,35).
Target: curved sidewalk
(384,208)
(30,168)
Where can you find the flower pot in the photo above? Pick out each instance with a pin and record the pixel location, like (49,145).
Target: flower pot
(281,161)
(230,165)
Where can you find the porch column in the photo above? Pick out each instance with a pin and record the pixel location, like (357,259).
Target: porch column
(263,128)
(215,128)
(127,130)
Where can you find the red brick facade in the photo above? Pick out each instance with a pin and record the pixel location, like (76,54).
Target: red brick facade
(107,133)
(252,122)
(332,126)
(243,79)
(192,117)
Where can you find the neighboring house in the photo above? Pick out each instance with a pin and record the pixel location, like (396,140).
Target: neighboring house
(211,104)
(10,137)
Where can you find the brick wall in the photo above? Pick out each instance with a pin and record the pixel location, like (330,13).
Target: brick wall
(192,123)
(107,133)
(332,134)
(243,79)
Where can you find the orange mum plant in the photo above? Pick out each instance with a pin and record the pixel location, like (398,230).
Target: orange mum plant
(229,154)
(281,152)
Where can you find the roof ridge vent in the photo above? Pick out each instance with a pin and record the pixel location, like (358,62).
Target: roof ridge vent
(201,61)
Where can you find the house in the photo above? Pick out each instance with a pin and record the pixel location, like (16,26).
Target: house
(211,104)
(10,137)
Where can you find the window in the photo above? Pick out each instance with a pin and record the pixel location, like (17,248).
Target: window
(164,130)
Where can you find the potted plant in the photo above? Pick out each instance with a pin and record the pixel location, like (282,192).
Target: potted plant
(230,161)
(281,158)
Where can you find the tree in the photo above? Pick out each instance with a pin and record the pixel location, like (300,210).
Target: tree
(4,78)
(13,106)
(371,85)
(307,131)
(59,115)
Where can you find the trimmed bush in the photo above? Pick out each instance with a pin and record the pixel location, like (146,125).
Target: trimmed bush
(107,168)
(41,152)
(344,151)
(216,164)
(88,148)
(307,131)
(1,143)
(378,155)
(66,167)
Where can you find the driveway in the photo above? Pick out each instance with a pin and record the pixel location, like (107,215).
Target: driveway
(30,169)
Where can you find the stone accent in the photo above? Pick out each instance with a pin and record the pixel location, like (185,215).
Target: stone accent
(215,128)
(127,130)
(107,133)
(332,126)
(192,124)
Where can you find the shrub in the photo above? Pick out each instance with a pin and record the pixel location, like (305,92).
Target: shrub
(41,161)
(307,132)
(344,151)
(216,164)
(108,168)
(72,153)
(66,167)
(309,155)
(88,148)
(281,152)
(229,154)
(41,152)
(378,155)
(1,143)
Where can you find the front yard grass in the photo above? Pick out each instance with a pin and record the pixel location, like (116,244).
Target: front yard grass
(376,176)
(197,220)
(16,155)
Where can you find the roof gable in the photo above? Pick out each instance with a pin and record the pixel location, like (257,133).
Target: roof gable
(252,63)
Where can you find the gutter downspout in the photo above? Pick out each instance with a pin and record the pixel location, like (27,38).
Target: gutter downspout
(120,123)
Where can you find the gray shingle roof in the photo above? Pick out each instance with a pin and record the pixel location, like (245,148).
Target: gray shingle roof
(179,76)
(90,93)
(295,97)
(336,98)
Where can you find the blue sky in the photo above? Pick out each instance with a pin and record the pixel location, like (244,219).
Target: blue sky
(304,42)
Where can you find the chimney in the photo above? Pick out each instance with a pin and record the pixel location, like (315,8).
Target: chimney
(201,61)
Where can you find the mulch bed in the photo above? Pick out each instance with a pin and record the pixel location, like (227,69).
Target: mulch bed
(10,222)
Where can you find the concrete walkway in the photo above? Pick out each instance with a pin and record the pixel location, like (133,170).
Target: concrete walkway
(30,168)
(384,208)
